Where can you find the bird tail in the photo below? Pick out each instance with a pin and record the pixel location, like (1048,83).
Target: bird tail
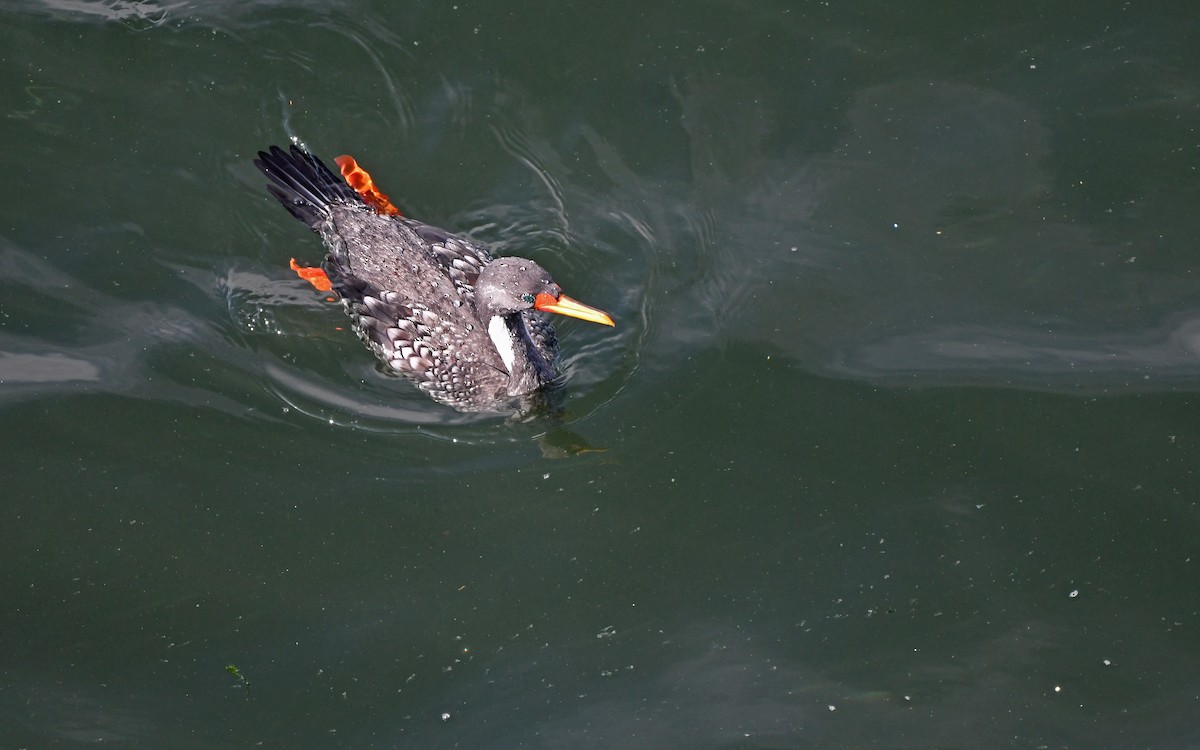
(303,184)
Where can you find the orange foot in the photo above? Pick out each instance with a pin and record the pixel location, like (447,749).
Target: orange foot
(314,276)
(357,178)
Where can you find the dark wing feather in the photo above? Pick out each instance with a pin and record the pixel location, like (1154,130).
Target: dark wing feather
(303,184)
(461,259)
(450,360)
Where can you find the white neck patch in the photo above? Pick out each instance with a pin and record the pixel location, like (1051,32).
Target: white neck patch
(502,339)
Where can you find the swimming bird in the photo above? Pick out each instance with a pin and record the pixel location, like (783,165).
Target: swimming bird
(435,307)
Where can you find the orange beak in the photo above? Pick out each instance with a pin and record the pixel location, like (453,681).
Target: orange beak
(564,305)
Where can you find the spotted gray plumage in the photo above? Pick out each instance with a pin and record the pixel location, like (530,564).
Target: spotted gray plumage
(412,291)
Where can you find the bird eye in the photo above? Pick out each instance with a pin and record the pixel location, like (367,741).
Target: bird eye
(527,298)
